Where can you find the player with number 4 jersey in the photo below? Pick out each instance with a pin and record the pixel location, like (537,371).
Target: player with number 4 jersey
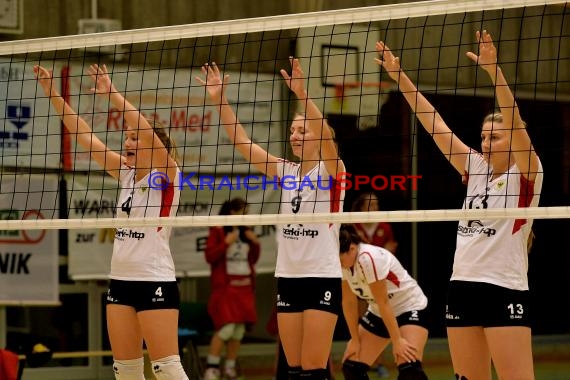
(143,297)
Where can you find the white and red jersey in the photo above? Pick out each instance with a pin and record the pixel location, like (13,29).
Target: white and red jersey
(308,250)
(374,264)
(379,234)
(489,250)
(143,253)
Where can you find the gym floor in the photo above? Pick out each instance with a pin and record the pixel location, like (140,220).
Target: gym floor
(551,353)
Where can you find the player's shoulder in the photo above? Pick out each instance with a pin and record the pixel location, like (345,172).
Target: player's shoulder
(285,167)
(369,252)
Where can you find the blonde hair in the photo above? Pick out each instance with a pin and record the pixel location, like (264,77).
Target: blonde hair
(169,144)
(495,117)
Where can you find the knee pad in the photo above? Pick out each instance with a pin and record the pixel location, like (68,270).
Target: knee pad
(129,369)
(169,368)
(411,371)
(239,331)
(314,374)
(227,331)
(213,361)
(353,370)
(294,373)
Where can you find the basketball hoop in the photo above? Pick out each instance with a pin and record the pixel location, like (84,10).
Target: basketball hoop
(363,90)
(340,88)
(363,99)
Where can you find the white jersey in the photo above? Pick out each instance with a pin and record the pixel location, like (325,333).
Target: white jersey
(143,253)
(237,258)
(308,250)
(495,251)
(375,264)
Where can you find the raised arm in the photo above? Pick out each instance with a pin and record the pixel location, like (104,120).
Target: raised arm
(448,143)
(256,155)
(521,147)
(108,159)
(314,118)
(161,159)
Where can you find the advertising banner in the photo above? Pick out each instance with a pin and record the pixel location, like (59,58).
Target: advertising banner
(29,259)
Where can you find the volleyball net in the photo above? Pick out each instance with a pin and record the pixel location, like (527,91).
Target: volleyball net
(49,182)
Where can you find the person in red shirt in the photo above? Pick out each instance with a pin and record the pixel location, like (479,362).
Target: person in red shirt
(232,253)
(377,233)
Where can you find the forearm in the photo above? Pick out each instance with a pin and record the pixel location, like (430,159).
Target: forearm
(505,98)
(380,292)
(131,114)
(520,145)
(72,121)
(84,136)
(231,123)
(314,116)
(309,107)
(425,112)
(390,321)
(447,142)
(234,129)
(350,311)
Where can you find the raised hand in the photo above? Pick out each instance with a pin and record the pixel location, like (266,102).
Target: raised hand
(231,237)
(45,80)
(213,81)
(388,61)
(487,57)
(295,81)
(101,81)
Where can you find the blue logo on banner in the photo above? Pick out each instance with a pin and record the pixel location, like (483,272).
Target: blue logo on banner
(19,115)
